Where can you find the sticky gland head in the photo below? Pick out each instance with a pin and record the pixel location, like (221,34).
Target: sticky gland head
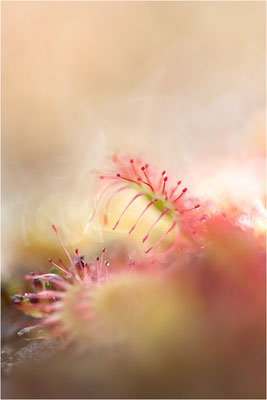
(164,183)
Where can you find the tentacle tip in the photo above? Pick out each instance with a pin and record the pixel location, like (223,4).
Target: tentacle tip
(145,238)
(115,226)
(55,229)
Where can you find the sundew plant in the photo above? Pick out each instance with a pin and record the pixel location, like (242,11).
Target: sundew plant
(204,291)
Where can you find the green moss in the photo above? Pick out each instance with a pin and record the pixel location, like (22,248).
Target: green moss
(55,270)
(160,204)
(49,285)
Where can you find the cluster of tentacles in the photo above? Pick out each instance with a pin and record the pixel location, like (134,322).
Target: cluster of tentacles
(168,199)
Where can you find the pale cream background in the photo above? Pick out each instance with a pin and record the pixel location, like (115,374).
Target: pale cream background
(181,83)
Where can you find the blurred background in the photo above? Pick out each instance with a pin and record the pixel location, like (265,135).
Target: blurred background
(182,85)
(179,83)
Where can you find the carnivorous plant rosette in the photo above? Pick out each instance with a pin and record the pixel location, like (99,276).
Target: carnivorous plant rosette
(201,304)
